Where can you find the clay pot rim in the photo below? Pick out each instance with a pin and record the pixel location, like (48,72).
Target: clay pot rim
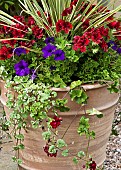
(84,86)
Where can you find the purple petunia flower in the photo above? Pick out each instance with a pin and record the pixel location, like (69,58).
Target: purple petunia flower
(111,42)
(59,55)
(114,47)
(48,50)
(21,68)
(49,40)
(20,51)
(119,50)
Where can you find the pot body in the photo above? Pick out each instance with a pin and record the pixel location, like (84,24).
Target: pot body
(33,156)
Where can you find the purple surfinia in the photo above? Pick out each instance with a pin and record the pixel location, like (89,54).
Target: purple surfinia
(49,40)
(48,50)
(20,51)
(119,50)
(114,47)
(59,55)
(21,68)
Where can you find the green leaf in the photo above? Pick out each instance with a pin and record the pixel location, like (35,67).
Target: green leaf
(61,143)
(75,160)
(81,154)
(95,112)
(52,149)
(65,152)
(20,136)
(75,84)
(46,135)
(19,161)
(6,6)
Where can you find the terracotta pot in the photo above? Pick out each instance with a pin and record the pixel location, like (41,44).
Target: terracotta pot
(33,156)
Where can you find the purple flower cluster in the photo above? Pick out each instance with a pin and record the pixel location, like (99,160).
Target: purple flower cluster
(21,68)
(20,51)
(51,49)
(114,46)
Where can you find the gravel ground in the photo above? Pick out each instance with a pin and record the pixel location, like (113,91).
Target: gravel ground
(112,162)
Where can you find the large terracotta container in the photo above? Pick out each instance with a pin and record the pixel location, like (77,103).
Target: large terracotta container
(33,156)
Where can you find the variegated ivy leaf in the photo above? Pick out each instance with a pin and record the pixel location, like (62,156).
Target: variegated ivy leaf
(94,111)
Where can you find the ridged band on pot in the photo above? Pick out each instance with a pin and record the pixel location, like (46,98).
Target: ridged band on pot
(33,156)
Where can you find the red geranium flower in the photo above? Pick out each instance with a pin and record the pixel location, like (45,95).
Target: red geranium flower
(80,43)
(67,11)
(114,24)
(62,25)
(92,165)
(38,32)
(104,45)
(5,53)
(10,42)
(19,31)
(104,31)
(74,2)
(96,36)
(31,21)
(56,122)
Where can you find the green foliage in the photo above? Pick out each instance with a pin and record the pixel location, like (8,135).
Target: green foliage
(78,95)
(61,143)
(46,135)
(65,153)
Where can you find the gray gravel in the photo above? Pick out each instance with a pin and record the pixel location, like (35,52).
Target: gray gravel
(112,162)
(113,150)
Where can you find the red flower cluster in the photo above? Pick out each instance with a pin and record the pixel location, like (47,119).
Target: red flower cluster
(38,32)
(68,10)
(95,35)
(80,42)
(92,165)
(5,53)
(46,149)
(56,122)
(74,2)
(10,42)
(62,25)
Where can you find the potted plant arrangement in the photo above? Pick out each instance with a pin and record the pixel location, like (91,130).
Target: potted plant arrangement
(60,69)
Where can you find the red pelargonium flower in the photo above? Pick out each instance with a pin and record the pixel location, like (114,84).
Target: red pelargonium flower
(74,2)
(10,42)
(5,53)
(56,122)
(92,165)
(46,150)
(19,31)
(31,21)
(85,24)
(96,36)
(104,31)
(104,45)
(80,43)
(6,29)
(19,18)
(67,11)
(62,25)
(38,32)
(114,24)
(26,44)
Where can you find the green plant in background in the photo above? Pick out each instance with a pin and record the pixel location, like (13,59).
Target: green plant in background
(10,6)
